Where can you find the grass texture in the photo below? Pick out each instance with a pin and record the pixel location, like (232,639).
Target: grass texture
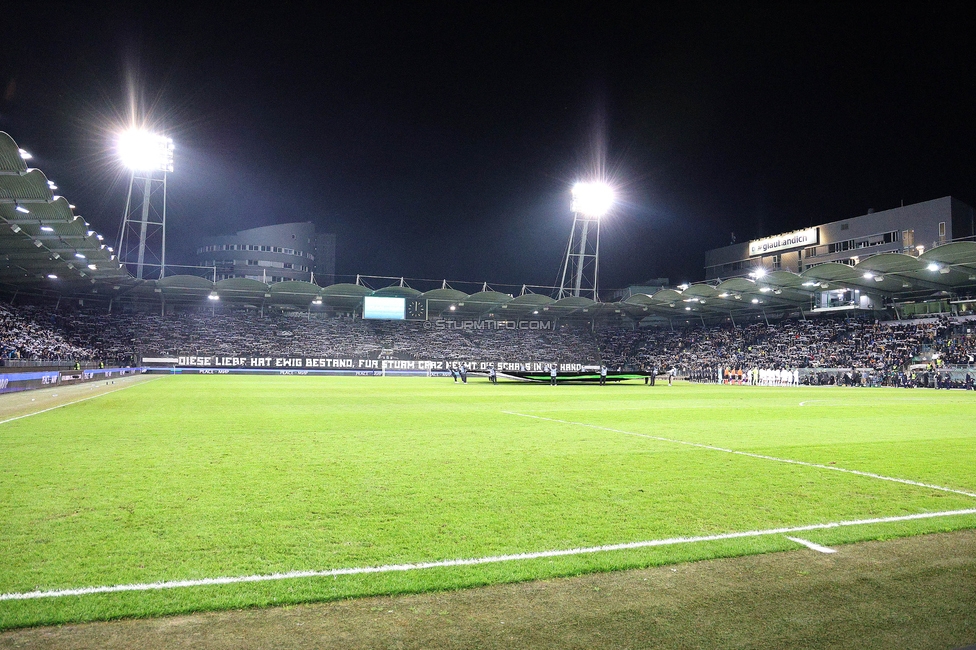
(192,477)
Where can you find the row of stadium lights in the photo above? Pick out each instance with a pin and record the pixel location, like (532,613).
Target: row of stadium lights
(25,155)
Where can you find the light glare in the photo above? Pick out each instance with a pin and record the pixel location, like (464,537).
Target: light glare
(592,199)
(144,151)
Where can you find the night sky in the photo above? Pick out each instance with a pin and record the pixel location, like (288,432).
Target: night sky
(441,140)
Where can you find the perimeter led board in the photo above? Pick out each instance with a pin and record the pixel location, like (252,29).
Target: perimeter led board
(384,308)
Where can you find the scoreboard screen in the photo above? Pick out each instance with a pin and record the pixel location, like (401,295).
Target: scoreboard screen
(384,308)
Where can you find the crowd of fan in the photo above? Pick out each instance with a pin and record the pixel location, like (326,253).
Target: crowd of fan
(23,337)
(788,344)
(877,348)
(244,334)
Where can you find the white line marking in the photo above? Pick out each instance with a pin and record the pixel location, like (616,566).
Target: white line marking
(84,399)
(205,582)
(811,545)
(751,455)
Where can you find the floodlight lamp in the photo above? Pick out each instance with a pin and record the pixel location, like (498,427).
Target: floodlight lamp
(591,199)
(24,154)
(146,152)
(20,208)
(764,289)
(687,308)
(755,301)
(933,266)
(52,276)
(317,301)
(453,307)
(213,296)
(683,287)
(93,267)
(759,273)
(80,256)
(868,276)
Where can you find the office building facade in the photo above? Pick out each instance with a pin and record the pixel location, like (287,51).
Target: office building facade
(909,229)
(289,251)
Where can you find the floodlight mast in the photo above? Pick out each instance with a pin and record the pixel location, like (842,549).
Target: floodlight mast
(591,201)
(149,157)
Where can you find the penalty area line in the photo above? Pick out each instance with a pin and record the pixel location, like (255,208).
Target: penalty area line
(789,461)
(390,568)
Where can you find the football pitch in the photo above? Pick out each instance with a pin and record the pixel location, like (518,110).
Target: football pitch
(186,493)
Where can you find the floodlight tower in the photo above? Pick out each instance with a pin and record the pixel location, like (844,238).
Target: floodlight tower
(591,201)
(149,157)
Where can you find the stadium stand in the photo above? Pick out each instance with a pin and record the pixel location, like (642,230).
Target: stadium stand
(24,338)
(789,343)
(823,350)
(245,333)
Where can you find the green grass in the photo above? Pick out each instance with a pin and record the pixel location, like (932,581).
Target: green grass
(198,476)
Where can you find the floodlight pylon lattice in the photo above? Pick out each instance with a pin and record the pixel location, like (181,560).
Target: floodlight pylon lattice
(142,234)
(582,264)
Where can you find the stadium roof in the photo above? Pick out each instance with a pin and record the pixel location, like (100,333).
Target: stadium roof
(43,243)
(46,247)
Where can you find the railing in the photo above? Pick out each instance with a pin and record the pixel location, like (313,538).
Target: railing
(60,364)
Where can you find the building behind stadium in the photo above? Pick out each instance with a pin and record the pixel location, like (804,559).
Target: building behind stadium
(288,251)
(910,229)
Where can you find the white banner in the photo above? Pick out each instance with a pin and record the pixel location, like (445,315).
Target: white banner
(796,239)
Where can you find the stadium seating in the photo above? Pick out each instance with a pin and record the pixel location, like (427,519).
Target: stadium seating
(37,332)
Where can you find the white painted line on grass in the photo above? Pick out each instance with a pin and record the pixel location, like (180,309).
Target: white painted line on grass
(790,461)
(84,399)
(390,568)
(811,545)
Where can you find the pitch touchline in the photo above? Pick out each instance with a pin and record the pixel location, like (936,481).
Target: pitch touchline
(389,568)
(77,401)
(749,454)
